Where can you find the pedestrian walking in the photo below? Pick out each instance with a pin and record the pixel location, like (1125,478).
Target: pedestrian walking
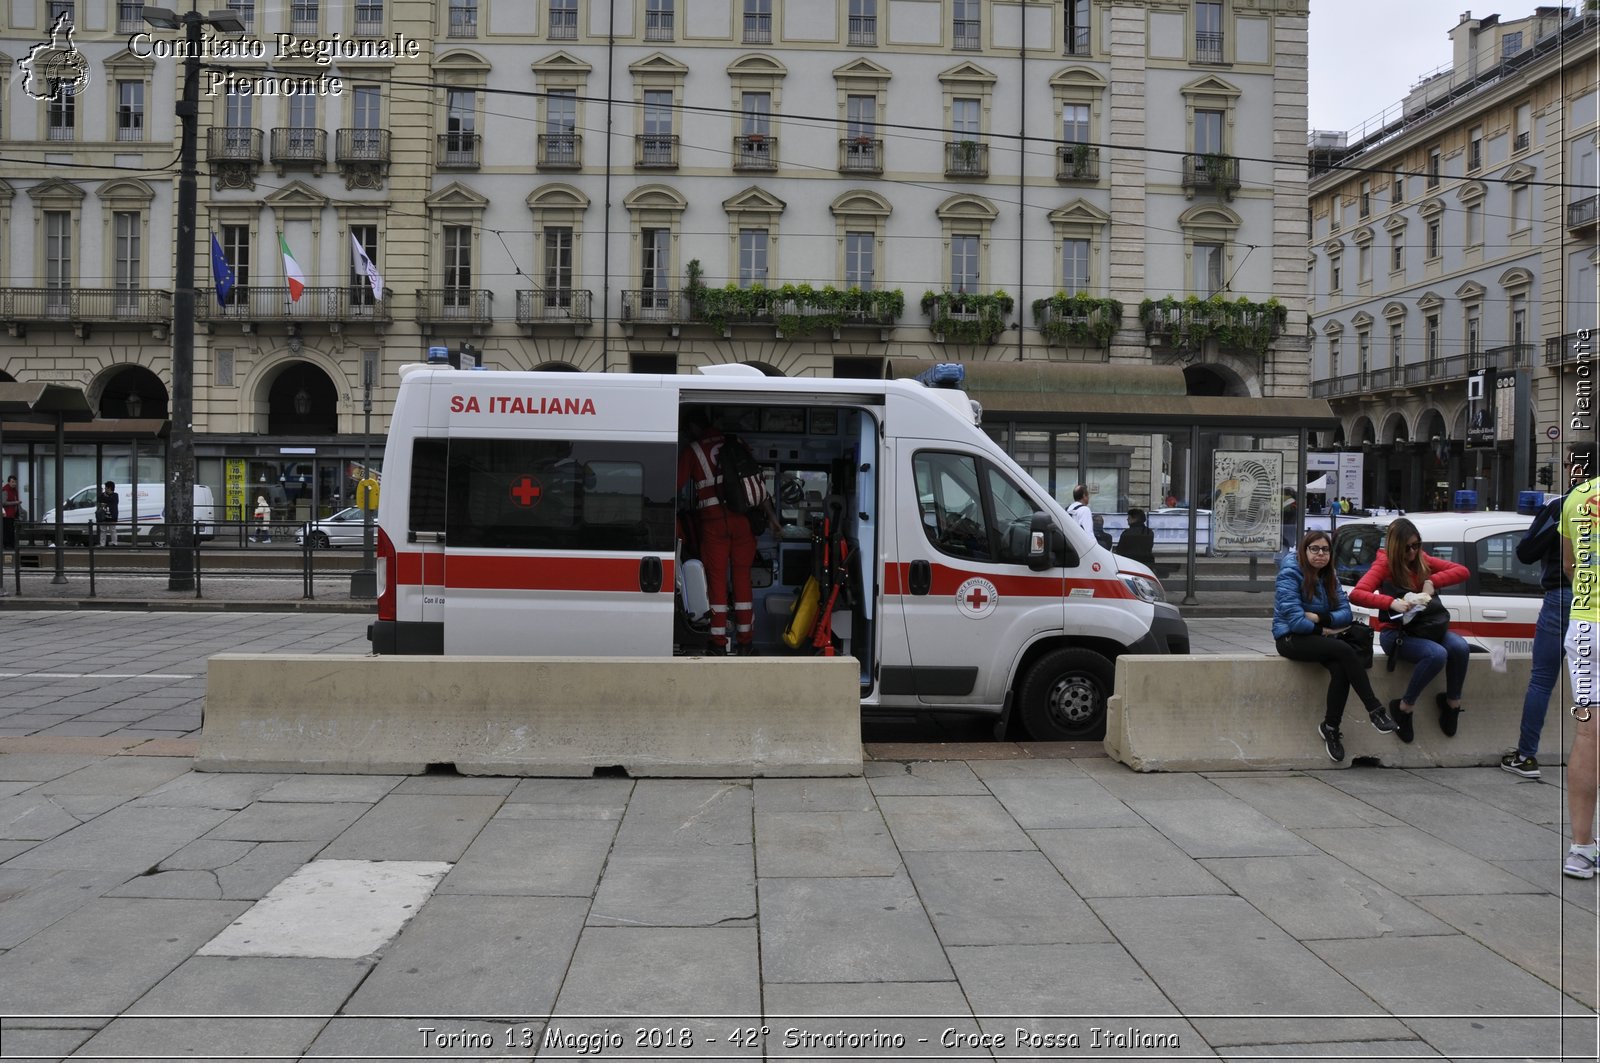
(1309,613)
(1403,580)
(1138,541)
(1541,545)
(1079,510)
(10,506)
(263,518)
(1580,555)
(107,509)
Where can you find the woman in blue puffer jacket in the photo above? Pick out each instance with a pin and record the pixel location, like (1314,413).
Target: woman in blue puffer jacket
(1309,610)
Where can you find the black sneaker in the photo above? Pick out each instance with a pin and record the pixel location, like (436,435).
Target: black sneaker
(1333,740)
(1517,764)
(716,649)
(1402,721)
(1381,720)
(746,649)
(1447,715)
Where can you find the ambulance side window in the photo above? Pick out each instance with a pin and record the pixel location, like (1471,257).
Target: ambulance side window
(428,463)
(556,494)
(951,502)
(1013,516)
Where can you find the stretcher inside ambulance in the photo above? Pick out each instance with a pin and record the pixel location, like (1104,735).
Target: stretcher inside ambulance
(539,514)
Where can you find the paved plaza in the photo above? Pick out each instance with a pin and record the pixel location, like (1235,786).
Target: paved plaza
(959,902)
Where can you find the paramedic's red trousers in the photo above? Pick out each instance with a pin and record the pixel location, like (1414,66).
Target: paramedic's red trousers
(725,535)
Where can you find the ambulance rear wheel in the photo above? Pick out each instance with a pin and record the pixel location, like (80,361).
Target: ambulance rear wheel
(1064,695)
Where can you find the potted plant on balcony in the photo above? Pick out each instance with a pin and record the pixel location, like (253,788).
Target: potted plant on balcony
(1214,167)
(967,154)
(1079,160)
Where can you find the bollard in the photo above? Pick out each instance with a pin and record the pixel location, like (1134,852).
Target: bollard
(195,542)
(92,541)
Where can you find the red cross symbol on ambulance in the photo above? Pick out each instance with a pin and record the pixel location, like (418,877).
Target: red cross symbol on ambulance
(976,598)
(527,492)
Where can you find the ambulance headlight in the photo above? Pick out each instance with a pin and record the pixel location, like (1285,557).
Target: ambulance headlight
(1144,588)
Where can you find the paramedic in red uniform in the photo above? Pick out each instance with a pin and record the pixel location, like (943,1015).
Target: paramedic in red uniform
(724,537)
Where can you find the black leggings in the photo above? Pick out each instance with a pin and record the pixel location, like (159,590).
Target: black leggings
(1344,671)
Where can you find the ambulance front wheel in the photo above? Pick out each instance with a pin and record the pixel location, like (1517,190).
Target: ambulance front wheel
(1064,695)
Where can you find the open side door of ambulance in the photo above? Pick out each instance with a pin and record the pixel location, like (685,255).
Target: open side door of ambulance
(559,529)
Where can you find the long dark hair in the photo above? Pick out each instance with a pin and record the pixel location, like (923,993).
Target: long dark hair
(1407,573)
(1330,582)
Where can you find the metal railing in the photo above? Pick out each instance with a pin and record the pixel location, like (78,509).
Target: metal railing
(299,147)
(139,306)
(1584,212)
(860,155)
(655,151)
(233,144)
(554,306)
(1211,172)
(1077,162)
(463,22)
(362,145)
(563,25)
(658,26)
(755,151)
(968,36)
(863,31)
(254,302)
(757,29)
(659,306)
(1559,350)
(458,151)
(1208,48)
(560,151)
(966,158)
(1078,41)
(439,306)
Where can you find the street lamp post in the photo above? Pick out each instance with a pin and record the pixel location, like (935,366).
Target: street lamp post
(180,473)
(364,581)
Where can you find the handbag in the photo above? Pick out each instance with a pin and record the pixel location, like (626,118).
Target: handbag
(1432,623)
(1358,636)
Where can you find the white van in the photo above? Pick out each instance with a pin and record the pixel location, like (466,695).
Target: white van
(537,514)
(146,517)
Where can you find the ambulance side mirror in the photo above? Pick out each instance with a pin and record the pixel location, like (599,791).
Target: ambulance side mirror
(1047,547)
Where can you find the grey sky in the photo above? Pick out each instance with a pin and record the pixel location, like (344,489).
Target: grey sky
(1366,54)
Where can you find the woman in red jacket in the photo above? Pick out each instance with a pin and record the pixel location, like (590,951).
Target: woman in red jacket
(1403,566)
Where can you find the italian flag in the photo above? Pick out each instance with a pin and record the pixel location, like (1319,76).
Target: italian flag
(292,271)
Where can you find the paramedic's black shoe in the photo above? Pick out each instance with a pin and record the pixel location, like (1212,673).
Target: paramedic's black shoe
(716,649)
(1402,721)
(1447,716)
(746,649)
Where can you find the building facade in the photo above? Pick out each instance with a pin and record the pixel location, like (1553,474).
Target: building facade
(816,187)
(1452,266)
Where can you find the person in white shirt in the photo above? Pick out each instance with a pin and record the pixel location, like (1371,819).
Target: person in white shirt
(1080,511)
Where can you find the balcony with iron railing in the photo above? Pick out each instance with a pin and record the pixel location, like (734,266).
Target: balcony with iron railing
(563,25)
(1451,370)
(1520,141)
(757,29)
(455,306)
(81,307)
(1583,213)
(967,36)
(233,144)
(860,155)
(255,304)
(1211,172)
(1569,349)
(1077,162)
(966,158)
(655,151)
(1208,48)
(560,151)
(658,26)
(654,306)
(458,151)
(130,17)
(369,19)
(863,31)
(362,146)
(755,151)
(463,22)
(1078,40)
(554,306)
(299,149)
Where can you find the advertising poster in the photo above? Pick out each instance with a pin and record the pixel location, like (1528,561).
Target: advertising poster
(233,487)
(1247,510)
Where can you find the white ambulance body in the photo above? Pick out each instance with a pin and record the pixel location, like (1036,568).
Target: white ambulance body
(538,514)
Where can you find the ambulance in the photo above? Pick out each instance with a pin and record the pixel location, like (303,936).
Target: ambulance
(537,514)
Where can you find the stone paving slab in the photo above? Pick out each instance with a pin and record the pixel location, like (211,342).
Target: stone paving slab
(533,857)
(944,823)
(1412,862)
(1303,801)
(1219,826)
(1125,862)
(414,827)
(847,930)
(824,844)
(988,898)
(1315,897)
(1522,927)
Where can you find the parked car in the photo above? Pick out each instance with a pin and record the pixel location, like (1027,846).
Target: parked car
(341,529)
(1498,603)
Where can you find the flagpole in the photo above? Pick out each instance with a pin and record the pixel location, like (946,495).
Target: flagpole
(180,441)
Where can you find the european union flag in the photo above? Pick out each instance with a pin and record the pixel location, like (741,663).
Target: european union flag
(221,272)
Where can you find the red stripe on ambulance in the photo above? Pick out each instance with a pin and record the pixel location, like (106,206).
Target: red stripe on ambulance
(499,572)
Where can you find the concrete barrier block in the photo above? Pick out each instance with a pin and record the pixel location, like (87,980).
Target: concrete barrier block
(671,716)
(1228,712)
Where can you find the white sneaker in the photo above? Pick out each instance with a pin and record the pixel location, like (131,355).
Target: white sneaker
(1580,862)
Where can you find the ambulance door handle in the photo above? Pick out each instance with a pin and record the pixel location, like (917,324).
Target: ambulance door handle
(650,574)
(921,578)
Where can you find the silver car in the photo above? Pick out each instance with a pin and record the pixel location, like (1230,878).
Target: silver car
(341,529)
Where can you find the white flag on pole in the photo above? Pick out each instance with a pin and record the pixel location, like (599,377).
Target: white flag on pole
(365,265)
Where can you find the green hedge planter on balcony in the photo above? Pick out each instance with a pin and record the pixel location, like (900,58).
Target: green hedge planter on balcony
(966,317)
(1080,319)
(1188,324)
(794,309)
